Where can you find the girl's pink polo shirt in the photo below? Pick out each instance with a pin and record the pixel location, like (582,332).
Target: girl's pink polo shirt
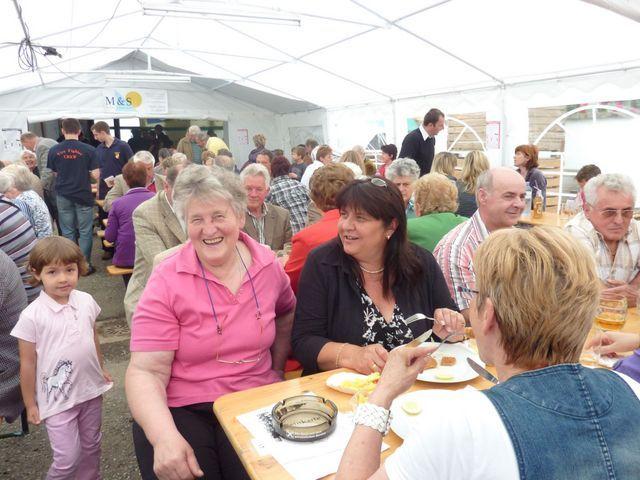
(175,314)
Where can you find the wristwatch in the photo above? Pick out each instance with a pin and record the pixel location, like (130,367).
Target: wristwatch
(373,416)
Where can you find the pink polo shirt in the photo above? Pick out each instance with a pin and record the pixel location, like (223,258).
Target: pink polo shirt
(175,314)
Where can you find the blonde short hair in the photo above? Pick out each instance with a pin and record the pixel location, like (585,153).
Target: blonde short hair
(22,177)
(171,161)
(435,193)
(326,182)
(259,140)
(545,292)
(444,163)
(351,156)
(179,158)
(475,163)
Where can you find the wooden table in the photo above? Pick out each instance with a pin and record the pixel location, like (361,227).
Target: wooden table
(548,218)
(229,406)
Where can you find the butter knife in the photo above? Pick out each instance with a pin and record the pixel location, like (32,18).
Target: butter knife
(420,339)
(483,372)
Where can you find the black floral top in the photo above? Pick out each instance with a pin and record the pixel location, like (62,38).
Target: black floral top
(390,334)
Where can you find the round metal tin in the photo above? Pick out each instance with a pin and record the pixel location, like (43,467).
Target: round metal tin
(304,418)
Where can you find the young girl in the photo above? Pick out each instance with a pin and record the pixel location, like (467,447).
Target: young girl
(62,377)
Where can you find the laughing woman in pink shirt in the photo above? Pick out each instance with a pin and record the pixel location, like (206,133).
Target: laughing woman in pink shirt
(214,318)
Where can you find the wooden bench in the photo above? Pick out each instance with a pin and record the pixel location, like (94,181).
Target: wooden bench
(117,271)
(106,243)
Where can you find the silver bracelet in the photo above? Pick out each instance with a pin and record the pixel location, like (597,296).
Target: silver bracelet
(373,416)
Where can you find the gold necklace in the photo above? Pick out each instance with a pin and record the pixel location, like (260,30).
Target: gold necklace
(372,272)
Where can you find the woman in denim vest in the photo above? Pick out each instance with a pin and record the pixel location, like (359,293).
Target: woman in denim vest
(549,417)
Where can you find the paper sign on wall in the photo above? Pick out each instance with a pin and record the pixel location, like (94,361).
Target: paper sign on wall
(242,136)
(11,139)
(493,135)
(136,101)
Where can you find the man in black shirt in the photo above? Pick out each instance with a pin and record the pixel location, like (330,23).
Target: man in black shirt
(419,144)
(137,142)
(112,154)
(74,163)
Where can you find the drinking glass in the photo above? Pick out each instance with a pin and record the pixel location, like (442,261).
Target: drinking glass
(612,312)
(611,315)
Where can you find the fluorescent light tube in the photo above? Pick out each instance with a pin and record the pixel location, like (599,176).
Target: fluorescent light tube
(148,78)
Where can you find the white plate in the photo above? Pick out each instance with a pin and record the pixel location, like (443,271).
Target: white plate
(401,422)
(460,372)
(335,381)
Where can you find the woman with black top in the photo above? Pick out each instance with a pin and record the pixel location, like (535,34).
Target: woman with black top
(526,160)
(474,164)
(356,291)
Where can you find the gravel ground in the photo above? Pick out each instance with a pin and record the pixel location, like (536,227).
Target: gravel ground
(29,457)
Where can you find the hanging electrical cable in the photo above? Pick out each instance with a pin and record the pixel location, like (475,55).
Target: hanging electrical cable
(27,59)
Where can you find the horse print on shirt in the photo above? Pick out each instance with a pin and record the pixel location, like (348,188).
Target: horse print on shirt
(59,382)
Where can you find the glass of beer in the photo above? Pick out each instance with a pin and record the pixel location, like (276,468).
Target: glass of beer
(612,312)
(611,315)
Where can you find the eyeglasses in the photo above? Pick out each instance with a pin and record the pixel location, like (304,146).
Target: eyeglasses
(219,325)
(609,213)
(467,293)
(378,182)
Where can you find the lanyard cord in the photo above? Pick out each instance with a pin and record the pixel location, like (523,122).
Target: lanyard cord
(253,288)
(213,308)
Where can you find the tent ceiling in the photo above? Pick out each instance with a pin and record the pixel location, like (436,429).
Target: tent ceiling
(344,52)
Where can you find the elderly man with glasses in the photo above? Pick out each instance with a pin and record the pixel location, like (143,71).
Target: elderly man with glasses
(607,228)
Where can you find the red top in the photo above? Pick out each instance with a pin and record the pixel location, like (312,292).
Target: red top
(306,240)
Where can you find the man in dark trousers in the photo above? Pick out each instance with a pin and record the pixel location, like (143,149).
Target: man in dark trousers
(74,164)
(419,144)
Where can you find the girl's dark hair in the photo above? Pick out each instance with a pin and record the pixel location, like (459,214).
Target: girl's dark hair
(52,250)
(383,202)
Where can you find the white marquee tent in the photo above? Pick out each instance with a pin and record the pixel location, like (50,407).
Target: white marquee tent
(351,69)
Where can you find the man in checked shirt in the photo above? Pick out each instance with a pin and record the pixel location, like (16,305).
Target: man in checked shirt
(607,228)
(500,195)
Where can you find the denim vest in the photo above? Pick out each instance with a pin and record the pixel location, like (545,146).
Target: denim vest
(571,422)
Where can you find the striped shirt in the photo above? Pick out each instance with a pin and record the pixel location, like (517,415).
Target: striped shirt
(293,196)
(454,254)
(625,265)
(16,240)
